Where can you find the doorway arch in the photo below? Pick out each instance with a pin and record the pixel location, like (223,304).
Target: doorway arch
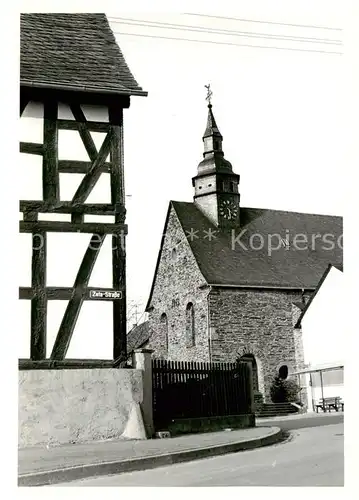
(249,358)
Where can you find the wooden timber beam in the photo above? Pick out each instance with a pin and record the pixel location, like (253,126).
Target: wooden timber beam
(64,166)
(90,125)
(50,174)
(30,216)
(69,227)
(67,326)
(118,244)
(38,300)
(65,293)
(73,96)
(66,207)
(68,364)
(31,148)
(84,132)
(81,167)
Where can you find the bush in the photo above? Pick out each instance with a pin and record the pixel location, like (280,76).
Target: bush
(292,389)
(284,391)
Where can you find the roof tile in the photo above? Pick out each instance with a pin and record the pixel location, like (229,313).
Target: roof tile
(73,50)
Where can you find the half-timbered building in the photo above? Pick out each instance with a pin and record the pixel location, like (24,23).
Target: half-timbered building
(74,87)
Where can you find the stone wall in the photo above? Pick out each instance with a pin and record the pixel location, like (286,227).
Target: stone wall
(257,322)
(178,282)
(77,405)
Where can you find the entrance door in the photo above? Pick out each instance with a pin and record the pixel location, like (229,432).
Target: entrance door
(249,358)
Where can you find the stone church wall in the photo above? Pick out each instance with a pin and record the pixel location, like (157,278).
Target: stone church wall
(258,322)
(255,321)
(178,283)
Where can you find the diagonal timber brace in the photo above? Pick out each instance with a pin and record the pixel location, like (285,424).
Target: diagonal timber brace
(94,172)
(72,312)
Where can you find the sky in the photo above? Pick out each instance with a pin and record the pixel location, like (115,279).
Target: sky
(280,113)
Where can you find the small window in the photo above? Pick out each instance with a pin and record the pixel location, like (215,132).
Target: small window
(174,254)
(209,185)
(190,333)
(223,186)
(199,187)
(164,329)
(232,187)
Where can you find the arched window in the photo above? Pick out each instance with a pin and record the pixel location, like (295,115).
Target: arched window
(190,333)
(232,187)
(164,330)
(283,372)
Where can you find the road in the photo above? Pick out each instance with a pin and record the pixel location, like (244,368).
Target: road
(308,420)
(313,456)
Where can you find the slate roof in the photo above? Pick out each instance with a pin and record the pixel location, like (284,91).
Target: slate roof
(73,51)
(223,263)
(138,336)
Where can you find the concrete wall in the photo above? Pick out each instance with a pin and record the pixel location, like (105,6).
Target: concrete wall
(75,406)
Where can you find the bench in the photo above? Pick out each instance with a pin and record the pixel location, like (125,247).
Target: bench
(329,403)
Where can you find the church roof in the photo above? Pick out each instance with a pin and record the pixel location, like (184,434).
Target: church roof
(73,51)
(224,262)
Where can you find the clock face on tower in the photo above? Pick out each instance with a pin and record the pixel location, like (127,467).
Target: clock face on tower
(228,210)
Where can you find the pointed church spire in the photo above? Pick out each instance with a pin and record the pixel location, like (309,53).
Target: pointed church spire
(216,185)
(211,128)
(212,137)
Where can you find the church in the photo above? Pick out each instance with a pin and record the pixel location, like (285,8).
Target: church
(230,282)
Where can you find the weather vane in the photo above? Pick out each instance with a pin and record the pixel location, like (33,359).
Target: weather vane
(209,93)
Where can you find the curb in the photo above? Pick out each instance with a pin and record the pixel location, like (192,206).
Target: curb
(77,472)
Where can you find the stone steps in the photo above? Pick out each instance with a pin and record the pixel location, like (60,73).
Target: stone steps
(276,410)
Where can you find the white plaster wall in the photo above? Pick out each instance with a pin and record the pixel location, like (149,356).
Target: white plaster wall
(92,337)
(324,334)
(75,406)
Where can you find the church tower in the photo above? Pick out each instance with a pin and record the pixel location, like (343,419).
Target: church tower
(216,185)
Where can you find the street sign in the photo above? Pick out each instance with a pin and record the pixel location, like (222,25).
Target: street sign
(105,294)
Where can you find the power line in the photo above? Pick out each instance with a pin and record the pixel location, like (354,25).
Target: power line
(202,29)
(265,22)
(228,43)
